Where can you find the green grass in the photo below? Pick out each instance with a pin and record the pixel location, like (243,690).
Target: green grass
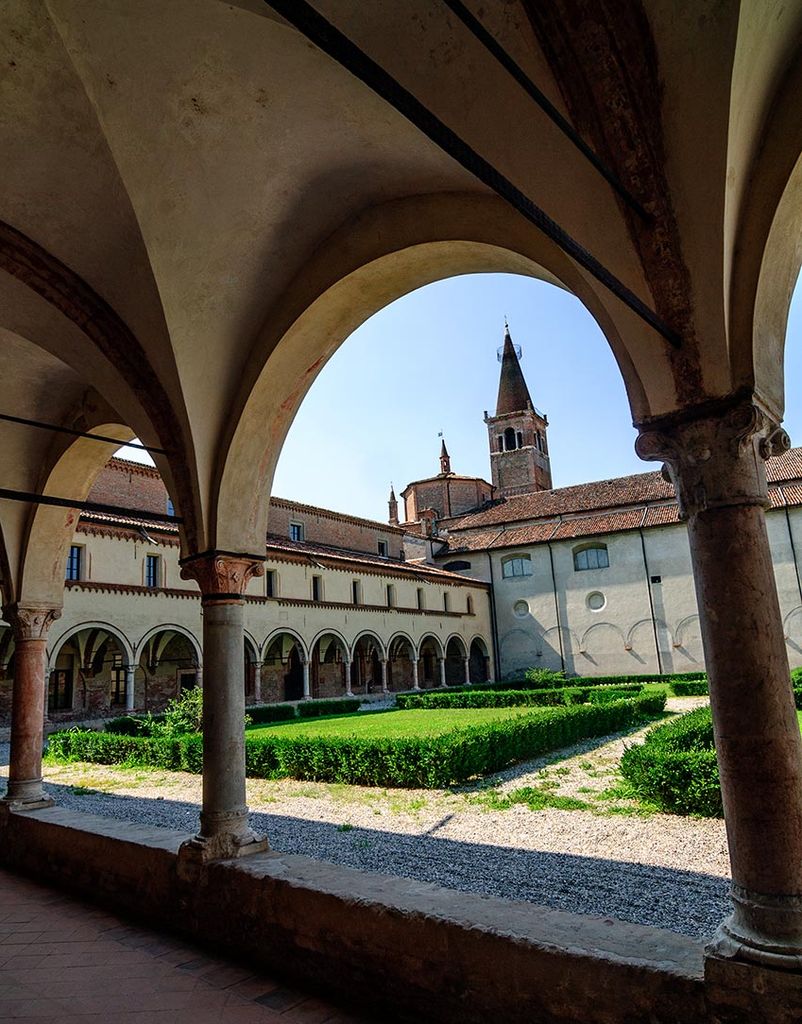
(421,722)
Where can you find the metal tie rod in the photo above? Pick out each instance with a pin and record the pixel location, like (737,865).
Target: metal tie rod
(303,17)
(80,433)
(475,26)
(89,506)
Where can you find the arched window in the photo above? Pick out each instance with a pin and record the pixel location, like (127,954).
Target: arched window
(516,565)
(509,439)
(501,442)
(592,556)
(520,438)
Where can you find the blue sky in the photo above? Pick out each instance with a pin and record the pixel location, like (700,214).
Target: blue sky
(428,363)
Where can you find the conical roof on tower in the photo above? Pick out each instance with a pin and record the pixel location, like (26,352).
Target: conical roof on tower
(513,394)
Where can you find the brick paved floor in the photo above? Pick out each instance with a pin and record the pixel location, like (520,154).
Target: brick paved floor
(63,961)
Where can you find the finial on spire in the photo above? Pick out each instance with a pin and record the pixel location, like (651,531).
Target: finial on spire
(392,505)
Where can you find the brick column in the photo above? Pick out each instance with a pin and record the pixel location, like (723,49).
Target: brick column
(717,465)
(224,830)
(30,626)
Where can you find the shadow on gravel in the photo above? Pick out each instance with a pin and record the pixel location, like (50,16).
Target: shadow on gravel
(687,902)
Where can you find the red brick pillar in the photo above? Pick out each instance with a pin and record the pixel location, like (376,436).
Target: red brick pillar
(30,626)
(717,465)
(224,831)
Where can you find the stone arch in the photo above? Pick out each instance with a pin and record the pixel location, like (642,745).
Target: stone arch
(401,654)
(329,654)
(284,654)
(478,660)
(455,653)
(375,258)
(430,651)
(792,628)
(367,654)
(603,646)
(87,670)
(519,651)
(766,251)
(688,651)
(174,628)
(640,645)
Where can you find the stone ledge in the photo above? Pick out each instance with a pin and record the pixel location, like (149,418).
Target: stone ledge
(414,950)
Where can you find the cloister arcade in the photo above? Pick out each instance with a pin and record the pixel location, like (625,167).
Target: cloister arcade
(201,200)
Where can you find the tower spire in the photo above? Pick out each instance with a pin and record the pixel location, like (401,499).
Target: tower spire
(513,394)
(445,458)
(392,505)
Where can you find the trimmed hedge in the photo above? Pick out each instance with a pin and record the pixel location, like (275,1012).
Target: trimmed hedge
(427,762)
(675,767)
(474,698)
(689,687)
(625,680)
(261,713)
(316,708)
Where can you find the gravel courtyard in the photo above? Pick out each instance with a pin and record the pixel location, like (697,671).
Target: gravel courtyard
(609,859)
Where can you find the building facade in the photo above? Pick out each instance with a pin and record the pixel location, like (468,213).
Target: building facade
(593,579)
(339,610)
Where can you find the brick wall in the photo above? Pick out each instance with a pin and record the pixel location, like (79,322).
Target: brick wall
(332,530)
(130,486)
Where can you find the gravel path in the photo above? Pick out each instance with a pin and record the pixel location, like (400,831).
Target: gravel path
(658,870)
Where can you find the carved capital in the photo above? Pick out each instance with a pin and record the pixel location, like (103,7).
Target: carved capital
(715,460)
(222,576)
(30,622)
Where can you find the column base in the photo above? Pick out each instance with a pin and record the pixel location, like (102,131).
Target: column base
(25,795)
(17,805)
(747,993)
(763,930)
(200,850)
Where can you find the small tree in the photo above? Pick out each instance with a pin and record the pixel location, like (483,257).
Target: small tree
(182,715)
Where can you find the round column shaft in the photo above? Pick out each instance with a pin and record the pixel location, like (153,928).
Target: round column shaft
(717,467)
(30,627)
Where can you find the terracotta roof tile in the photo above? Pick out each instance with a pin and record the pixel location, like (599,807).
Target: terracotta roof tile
(787,466)
(662,515)
(610,522)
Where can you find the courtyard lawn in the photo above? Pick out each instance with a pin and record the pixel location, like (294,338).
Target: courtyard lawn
(392,724)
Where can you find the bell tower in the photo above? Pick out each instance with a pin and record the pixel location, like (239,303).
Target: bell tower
(519,452)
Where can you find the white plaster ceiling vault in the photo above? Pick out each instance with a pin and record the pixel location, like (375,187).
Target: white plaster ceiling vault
(208,205)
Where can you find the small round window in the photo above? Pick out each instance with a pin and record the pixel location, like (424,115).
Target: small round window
(596,601)
(521,609)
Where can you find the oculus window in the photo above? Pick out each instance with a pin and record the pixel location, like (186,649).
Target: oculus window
(516,565)
(592,557)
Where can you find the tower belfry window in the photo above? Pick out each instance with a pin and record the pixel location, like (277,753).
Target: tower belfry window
(509,439)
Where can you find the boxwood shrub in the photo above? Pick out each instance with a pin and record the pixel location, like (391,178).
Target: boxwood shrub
(426,762)
(675,767)
(689,687)
(261,713)
(316,708)
(475,698)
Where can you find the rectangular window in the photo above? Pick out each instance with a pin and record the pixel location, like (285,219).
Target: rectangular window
(446,602)
(656,579)
(153,571)
(59,690)
(75,562)
(421,599)
(296,531)
(117,680)
(271,589)
(469,605)
(356,592)
(390,595)
(383,548)
(317,588)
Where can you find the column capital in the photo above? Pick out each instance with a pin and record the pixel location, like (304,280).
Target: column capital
(715,456)
(30,622)
(222,575)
